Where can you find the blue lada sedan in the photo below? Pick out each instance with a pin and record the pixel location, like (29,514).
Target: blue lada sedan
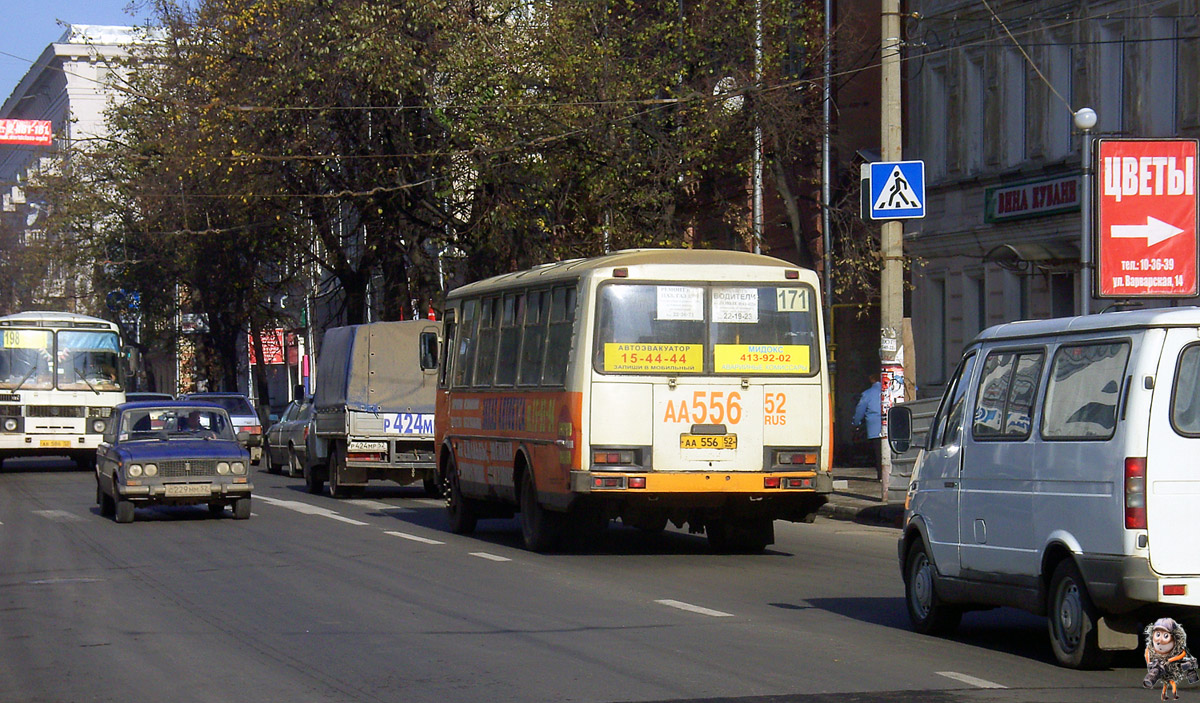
(171,453)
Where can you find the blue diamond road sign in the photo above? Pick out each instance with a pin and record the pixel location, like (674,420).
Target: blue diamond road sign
(897,190)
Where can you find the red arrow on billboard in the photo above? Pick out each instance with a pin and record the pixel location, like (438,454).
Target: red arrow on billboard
(1146,218)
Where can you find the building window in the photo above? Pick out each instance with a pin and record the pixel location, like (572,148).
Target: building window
(936,330)
(934,132)
(1110,79)
(1016,297)
(1058,70)
(1015,80)
(1163,50)
(974,304)
(973,114)
(1062,295)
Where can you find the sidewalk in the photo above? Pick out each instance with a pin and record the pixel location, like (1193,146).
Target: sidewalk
(856,498)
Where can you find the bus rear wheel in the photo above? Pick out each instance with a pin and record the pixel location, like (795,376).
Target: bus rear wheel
(539,527)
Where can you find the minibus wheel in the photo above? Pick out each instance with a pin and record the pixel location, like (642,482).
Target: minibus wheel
(929,615)
(539,527)
(1072,620)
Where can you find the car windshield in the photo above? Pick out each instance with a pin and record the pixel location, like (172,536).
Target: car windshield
(174,421)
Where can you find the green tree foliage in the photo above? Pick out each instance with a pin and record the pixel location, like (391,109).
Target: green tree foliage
(383,145)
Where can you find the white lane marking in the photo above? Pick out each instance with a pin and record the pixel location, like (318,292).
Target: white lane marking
(969,680)
(306,509)
(414,538)
(375,504)
(693,608)
(490,557)
(58,515)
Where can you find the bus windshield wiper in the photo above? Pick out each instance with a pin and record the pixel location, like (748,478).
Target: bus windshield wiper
(83,377)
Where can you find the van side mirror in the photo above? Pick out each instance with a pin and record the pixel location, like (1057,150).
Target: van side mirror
(899,428)
(429,350)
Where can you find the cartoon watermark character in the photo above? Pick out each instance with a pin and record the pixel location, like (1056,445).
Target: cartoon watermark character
(1167,660)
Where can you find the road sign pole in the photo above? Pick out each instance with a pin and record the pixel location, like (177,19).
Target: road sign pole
(891,309)
(1085,120)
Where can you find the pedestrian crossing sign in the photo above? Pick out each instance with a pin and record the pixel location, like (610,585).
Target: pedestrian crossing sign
(897,190)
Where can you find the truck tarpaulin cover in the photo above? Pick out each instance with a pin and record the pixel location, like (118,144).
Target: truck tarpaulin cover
(376,367)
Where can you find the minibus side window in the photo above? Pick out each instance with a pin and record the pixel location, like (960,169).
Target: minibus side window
(946,425)
(1084,391)
(1185,396)
(448,356)
(1007,387)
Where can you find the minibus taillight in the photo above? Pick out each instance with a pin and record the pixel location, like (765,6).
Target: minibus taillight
(1135,493)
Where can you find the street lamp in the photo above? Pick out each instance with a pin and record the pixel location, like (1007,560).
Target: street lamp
(1085,120)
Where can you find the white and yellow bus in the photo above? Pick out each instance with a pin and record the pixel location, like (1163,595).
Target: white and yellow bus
(653,386)
(60,378)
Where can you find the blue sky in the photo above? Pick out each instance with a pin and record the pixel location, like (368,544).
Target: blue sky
(27,27)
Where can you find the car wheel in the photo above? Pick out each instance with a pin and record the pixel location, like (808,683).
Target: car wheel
(124,512)
(241,509)
(272,467)
(337,464)
(1072,620)
(929,615)
(108,506)
(539,527)
(461,510)
(431,486)
(313,482)
(295,468)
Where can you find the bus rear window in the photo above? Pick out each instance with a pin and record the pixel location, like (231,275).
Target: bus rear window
(741,329)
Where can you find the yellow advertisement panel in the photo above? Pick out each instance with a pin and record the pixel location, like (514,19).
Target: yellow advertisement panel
(762,358)
(653,358)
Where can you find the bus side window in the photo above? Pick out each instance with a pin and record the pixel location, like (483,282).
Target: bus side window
(464,354)
(447,356)
(485,354)
(510,339)
(558,343)
(533,345)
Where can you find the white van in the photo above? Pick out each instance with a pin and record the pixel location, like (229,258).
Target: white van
(1061,475)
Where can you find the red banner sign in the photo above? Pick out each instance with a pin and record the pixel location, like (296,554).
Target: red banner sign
(1146,210)
(34,132)
(272,341)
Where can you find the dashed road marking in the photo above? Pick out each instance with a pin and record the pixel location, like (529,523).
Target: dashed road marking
(414,538)
(489,557)
(306,509)
(376,505)
(969,680)
(693,608)
(59,515)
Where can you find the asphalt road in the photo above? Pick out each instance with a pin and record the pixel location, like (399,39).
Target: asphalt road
(314,599)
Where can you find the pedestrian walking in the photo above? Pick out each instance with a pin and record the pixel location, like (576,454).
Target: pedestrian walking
(868,412)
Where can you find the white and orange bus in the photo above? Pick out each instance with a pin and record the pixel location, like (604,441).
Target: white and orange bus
(650,386)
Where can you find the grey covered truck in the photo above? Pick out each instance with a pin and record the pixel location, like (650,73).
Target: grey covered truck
(374,407)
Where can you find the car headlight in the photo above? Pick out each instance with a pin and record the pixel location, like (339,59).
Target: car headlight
(98,426)
(239,468)
(223,468)
(10,424)
(151,469)
(135,470)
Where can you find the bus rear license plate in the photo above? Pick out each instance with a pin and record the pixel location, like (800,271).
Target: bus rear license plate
(707,441)
(56,443)
(188,490)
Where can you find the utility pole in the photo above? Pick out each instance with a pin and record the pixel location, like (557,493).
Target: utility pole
(891,304)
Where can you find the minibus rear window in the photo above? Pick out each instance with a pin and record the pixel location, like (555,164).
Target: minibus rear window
(1185,396)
